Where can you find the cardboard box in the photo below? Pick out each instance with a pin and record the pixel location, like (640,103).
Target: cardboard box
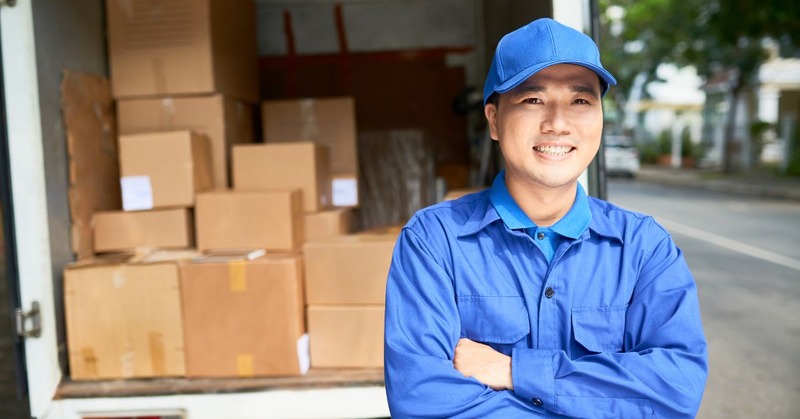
(245,318)
(266,167)
(225,120)
(177,47)
(123,319)
(346,336)
(327,121)
(119,231)
(328,223)
(271,220)
(163,169)
(348,269)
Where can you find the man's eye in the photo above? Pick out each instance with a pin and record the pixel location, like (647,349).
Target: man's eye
(532,100)
(581,101)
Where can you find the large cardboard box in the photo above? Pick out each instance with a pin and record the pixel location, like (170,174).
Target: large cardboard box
(327,121)
(119,231)
(266,167)
(346,336)
(224,119)
(245,318)
(123,319)
(163,169)
(348,269)
(180,47)
(329,223)
(271,220)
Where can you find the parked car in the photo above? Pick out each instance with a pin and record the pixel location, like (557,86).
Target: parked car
(622,157)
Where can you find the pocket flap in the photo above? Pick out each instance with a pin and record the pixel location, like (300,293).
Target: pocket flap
(493,319)
(599,329)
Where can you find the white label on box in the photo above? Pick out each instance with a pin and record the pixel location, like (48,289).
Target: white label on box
(345,192)
(137,193)
(303,353)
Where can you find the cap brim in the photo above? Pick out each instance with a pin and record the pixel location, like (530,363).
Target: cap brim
(523,75)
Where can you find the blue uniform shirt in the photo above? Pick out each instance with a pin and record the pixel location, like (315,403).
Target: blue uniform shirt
(610,327)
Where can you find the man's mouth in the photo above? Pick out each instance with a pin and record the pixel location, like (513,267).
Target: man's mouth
(553,150)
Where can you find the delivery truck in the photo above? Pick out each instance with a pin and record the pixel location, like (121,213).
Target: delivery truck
(360,49)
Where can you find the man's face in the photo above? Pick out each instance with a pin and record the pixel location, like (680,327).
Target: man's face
(549,127)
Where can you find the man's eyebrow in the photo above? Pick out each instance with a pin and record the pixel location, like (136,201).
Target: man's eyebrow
(529,88)
(579,88)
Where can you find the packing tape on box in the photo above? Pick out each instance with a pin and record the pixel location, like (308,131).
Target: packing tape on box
(237,276)
(158,359)
(89,367)
(117,277)
(244,365)
(127,364)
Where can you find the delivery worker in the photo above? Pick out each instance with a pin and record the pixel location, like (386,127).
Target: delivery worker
(531,298)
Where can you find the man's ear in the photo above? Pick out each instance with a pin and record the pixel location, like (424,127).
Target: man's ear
(490,110)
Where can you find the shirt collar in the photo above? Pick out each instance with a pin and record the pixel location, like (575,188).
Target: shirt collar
(484,213)
(502,206)
(506,207)
(577,219)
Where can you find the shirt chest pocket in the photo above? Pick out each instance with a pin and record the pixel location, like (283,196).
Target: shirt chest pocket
(500,320)
(600,329)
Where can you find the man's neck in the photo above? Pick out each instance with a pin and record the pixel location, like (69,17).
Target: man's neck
(543,205)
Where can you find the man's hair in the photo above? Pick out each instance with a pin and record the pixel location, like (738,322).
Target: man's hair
(494,99)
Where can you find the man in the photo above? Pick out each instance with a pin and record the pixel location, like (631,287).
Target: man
(531,297)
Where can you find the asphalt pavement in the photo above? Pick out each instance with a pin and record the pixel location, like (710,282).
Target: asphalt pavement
(755,183)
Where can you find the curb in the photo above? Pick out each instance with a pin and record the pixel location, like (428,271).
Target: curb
(689,179)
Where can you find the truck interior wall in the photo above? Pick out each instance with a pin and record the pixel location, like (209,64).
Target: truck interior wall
(502,16)
(69,35)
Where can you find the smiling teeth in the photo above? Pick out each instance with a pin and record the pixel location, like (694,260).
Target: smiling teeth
(553,150)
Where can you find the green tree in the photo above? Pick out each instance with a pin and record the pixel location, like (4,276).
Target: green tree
(716,36)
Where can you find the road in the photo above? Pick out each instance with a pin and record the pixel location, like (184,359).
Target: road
(745,256)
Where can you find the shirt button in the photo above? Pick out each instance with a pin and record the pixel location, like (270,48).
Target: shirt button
(537,402)
(549,292)
(540,236)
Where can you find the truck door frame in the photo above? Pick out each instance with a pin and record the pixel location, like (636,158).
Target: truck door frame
(29,203)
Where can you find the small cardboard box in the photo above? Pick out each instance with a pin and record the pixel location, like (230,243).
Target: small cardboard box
(177,47)
(346,336)
(225,120)
(244,318)
(348,269)
(266,167)
(327,121)
(163,169)
(271,220)
(328,223)
(120,231)
(123,318)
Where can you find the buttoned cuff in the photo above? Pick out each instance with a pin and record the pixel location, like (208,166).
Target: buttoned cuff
(532,372)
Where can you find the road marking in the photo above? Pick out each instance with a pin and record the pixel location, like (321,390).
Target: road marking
(727,243)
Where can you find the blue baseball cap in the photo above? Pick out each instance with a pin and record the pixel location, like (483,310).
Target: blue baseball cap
(538,45)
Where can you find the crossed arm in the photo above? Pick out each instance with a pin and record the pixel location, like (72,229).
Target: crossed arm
(483,363)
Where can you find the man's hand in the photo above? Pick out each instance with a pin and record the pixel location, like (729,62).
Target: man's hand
(484,363)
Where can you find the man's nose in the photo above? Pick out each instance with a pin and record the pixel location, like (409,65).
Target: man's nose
(555,121)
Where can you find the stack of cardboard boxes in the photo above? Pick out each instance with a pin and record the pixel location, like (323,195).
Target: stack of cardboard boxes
(326,121)
(230,258)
